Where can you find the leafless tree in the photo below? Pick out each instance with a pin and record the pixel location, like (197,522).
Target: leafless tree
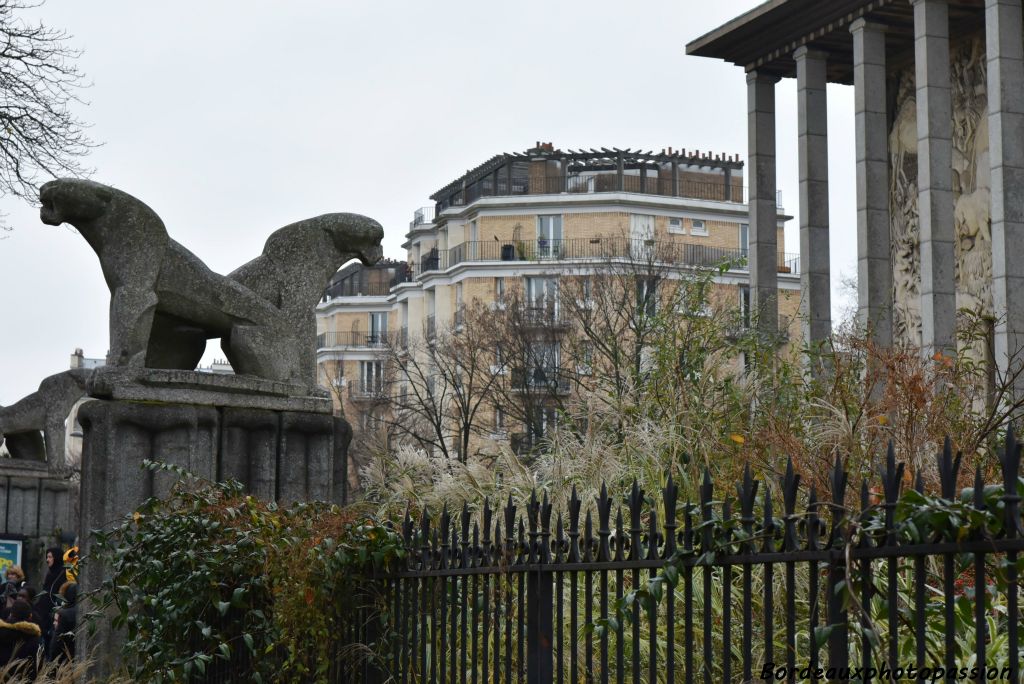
(40,136)
(529,339)
(439,388)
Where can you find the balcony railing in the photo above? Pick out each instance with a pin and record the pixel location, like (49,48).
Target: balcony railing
(610,181)
(356,289)
(421,217)
(545,315)
(666,252)
(744,325)
(539,379)
(328,340)
(368,392)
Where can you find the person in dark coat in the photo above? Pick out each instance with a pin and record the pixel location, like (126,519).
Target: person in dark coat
(62,645)
(28,595)
(48,597)
(20,639)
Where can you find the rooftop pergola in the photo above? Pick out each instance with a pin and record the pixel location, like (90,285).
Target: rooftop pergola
(581,161)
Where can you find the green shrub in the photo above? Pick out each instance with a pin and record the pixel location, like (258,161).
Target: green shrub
(212,578)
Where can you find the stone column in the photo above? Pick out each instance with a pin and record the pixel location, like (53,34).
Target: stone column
(874,242)
(764,272)
(1006,145)
(812,132)
(935,176)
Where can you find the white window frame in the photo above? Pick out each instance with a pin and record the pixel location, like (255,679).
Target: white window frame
(584,366)
(376,331)
(745,305)
(699,232)
(542,292)
(371,377)
(675,226)
(549,236)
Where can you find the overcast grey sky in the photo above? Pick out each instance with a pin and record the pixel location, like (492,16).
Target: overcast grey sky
(232,119)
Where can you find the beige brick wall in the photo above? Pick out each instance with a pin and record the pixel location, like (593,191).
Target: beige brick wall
(504,228)
(481,289)
(596,225)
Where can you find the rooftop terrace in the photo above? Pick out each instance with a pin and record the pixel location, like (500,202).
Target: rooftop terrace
(545,170)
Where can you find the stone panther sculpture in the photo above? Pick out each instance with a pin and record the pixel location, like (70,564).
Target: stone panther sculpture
(165,303)
(33,428)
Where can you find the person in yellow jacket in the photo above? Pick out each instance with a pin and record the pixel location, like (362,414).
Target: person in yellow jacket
(71,563)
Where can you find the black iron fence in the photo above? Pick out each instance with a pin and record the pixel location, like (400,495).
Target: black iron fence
(665,252)
(746,584)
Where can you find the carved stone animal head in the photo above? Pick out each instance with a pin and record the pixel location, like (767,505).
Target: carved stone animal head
(356,235)
(74,201)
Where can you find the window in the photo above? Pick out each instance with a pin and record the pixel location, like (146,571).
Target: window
(698,227)
(647,296)
(745,306)
(371,377)
(378,327)
(370,422)
(675,226)
(499,290)
(544,359)
(549,236)
(542,293)
(744,239)
(641,234)
(499,420)
(474,241)
(585,362)
(544,422)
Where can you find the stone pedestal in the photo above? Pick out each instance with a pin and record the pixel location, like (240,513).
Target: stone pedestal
(278,440)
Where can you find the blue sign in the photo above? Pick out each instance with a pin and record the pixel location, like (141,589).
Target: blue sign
(10,554)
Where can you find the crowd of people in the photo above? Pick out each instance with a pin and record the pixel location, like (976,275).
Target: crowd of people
(38,624)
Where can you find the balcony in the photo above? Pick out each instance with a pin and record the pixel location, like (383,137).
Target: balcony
(743,326)
(421,217)
(665,252)
(543,315)
(541,380)
(368,393)
(353,340)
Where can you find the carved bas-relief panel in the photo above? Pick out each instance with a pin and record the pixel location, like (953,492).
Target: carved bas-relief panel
(971,190)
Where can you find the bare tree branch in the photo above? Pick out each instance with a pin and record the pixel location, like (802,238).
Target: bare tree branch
(40,137)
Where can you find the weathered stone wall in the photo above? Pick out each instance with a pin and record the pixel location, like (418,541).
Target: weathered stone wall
(971,188)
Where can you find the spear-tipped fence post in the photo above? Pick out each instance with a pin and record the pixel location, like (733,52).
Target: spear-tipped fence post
(1010,462)
(838,640)
(540,599)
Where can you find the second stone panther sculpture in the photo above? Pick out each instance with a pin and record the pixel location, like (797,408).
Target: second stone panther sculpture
(165,303)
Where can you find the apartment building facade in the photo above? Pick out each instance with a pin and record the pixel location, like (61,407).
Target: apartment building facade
(528,223)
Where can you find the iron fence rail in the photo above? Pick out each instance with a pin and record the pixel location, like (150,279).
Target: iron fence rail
(512,595)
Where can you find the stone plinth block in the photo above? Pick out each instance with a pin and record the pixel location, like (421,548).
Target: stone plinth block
(280,447)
